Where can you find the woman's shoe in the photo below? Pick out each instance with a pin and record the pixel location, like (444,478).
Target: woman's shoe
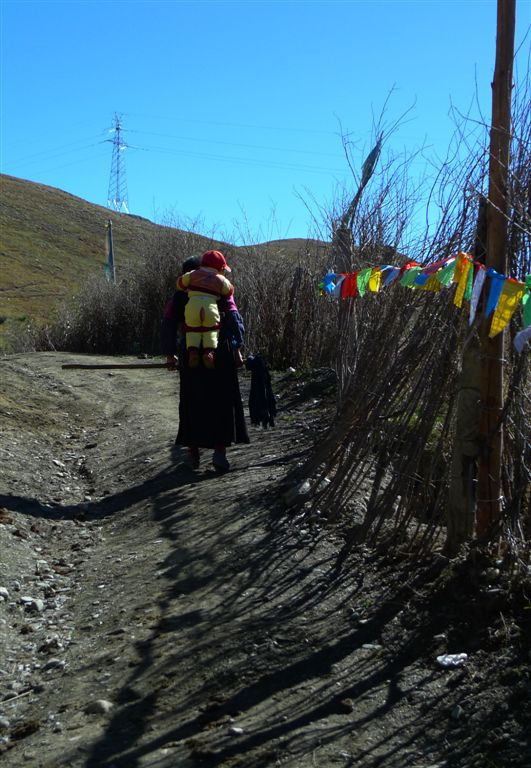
(192,458)
(220,461)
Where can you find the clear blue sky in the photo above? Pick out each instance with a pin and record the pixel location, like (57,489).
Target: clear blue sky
(233,110)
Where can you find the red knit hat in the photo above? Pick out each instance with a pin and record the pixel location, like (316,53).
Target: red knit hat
(216,260)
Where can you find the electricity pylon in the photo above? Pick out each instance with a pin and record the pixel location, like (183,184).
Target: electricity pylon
(117,194)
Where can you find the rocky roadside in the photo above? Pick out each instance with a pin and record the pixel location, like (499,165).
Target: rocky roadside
(153,616)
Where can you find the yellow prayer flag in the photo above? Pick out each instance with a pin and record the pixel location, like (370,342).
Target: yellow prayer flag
(432,285)
(462,260)
(375,280)
(510,297)
(463,280)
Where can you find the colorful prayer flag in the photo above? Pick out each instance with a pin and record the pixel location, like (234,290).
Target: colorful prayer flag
(526,303)
(375,280)
(391,274)
(349,286)
(339,282)
(476,292)
(463,282)
(328,282)
(363,280)
(511,293)
(446,274)
(496,285)
(462,260)
(408,277)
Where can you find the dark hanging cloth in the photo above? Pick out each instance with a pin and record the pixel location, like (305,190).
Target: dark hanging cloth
(262,404)
(210,404)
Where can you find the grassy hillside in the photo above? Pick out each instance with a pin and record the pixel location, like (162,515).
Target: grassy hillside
(50,241)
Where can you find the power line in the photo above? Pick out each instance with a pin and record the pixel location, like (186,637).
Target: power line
(236,144)
(234,125)
(242,160)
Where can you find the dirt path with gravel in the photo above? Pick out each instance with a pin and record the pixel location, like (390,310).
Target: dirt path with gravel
(155,616)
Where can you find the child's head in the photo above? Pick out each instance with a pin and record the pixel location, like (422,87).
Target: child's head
(215,260)
(194,262)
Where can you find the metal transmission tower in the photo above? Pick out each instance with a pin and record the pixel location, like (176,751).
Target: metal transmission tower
(117,194)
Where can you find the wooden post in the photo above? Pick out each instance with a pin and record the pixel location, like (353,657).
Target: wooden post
(110,271)
(461,508)
(489,501)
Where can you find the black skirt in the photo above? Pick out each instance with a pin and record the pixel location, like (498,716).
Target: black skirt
(210,403)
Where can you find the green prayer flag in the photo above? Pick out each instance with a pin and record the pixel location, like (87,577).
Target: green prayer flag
(526,302)
(363,280)
(409,276)
(469,283)
(446,274)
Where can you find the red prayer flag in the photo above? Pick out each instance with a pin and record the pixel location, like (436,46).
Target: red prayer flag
(349,286)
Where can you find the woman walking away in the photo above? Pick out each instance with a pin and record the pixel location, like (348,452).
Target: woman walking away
(210,406)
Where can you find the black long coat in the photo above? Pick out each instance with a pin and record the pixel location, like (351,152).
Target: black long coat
(210,404)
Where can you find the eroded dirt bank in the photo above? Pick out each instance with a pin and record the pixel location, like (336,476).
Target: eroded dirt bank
(153,616)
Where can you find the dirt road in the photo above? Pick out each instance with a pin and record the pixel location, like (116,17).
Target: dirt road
(155,616)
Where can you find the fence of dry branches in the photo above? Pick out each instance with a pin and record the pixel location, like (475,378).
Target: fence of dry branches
(384,467)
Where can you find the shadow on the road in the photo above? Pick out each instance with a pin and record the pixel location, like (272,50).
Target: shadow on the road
(262,615)
(254,629)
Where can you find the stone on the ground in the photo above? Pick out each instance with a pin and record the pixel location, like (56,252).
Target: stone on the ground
(99,707)
(54,664)
(32,604)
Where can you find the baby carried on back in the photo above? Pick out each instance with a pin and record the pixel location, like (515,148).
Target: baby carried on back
(204,286)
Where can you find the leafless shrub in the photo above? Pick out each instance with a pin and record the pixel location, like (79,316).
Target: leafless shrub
(123,317)
(286,320)
(399,356)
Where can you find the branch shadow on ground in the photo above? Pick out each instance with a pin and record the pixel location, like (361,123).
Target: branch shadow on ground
(262,588)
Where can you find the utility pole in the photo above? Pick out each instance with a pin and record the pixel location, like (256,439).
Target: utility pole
(489,496)
(110,272)
(117,194)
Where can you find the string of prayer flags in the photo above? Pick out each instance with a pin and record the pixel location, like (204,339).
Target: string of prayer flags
(503,294)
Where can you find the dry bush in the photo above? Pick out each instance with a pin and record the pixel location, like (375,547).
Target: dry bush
(386,457)
(123,317)
(286,320)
